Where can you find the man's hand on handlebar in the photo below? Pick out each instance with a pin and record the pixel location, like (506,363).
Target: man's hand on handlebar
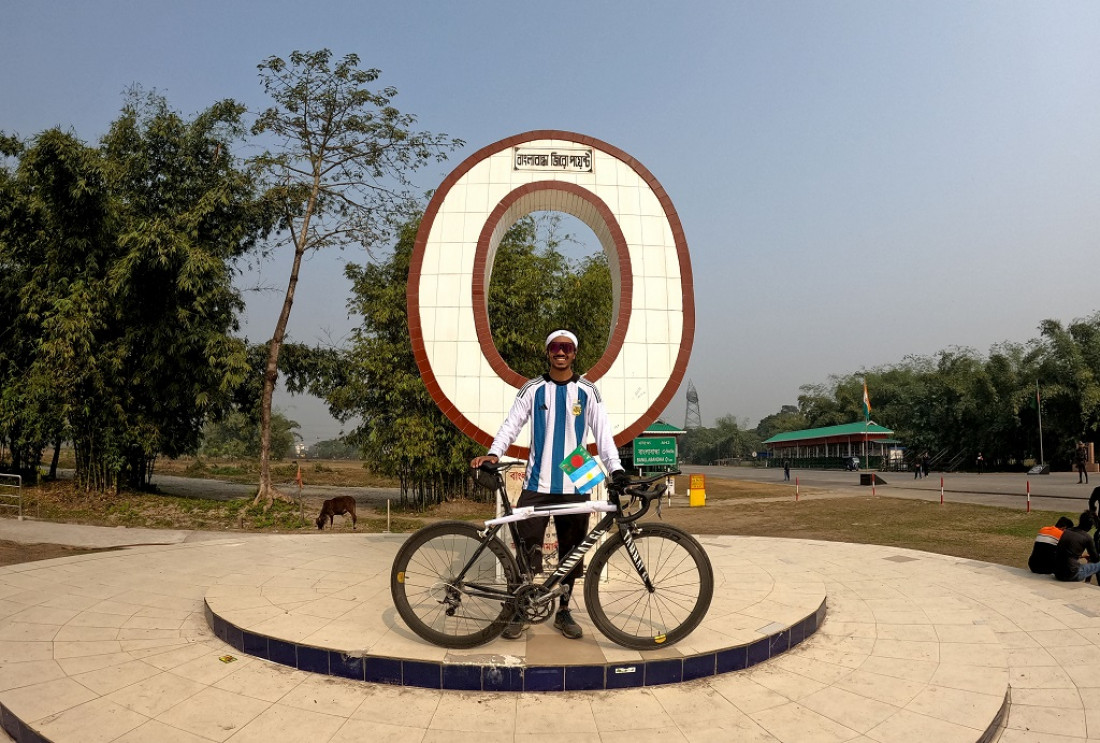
(478,461)
(620,479)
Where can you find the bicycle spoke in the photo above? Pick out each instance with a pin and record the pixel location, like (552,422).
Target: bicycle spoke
(439,604)
(627,612)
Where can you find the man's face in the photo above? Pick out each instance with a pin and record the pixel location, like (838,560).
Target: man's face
(562,353)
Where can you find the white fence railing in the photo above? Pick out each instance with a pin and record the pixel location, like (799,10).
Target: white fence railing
(11,493)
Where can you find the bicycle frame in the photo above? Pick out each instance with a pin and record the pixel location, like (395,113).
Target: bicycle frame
(614,515)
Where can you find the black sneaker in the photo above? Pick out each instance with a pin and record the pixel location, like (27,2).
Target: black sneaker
(563,622)
(514,630)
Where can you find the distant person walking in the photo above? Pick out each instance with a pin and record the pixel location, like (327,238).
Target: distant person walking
(1080,457)
(786,470)
(926,464)
(980,462)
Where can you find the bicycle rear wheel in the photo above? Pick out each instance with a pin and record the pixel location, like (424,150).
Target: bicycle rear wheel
(625,611)
(442,606)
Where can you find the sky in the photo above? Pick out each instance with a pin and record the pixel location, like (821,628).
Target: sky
(858,181)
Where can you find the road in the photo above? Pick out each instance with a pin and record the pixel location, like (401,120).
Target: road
(190,487)
(1057,491)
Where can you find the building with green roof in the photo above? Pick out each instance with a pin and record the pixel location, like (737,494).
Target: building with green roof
(831,446)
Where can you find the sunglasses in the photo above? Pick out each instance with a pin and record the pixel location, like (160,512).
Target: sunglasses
(565,347)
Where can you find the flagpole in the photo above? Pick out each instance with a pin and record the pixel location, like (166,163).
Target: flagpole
(1039,407)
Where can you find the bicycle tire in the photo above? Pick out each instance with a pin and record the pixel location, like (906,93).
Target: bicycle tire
(423,571)
(624,610)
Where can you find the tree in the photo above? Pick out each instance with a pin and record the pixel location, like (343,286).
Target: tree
(236,436)
(337,176)
(402,432)
(535,290)
(185,212)
(332,449)
(55,234)
(121,258)
(787,419)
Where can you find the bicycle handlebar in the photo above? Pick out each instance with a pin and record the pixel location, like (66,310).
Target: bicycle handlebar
(640,490)
(636,489)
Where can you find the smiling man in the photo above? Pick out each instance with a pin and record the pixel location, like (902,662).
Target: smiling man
(563,408)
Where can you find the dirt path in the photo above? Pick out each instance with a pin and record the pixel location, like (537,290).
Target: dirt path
(16,552)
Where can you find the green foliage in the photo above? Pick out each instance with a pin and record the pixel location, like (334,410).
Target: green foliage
(332,449)
(338,176)
(728,440)
(536,290)
(237,436)
(117,284)
(402,432)
(957,402)
(787,419)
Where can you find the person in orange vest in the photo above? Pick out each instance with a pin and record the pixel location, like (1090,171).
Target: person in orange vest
(1045,547)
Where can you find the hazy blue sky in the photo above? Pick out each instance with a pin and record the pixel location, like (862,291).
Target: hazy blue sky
(858,181)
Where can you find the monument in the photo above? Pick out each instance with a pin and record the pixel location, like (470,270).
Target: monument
(653,322)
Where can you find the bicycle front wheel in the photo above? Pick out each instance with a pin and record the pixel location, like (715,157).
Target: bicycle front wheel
(621,606)
(441,603)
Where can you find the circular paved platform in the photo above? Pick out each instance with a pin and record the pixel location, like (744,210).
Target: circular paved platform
(333,615)
(116,647)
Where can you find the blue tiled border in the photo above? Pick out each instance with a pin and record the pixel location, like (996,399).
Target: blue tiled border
(467,677)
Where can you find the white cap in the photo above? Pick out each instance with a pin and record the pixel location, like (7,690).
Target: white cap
(559,334)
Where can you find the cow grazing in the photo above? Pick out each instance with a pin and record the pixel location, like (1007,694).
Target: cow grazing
(341,505)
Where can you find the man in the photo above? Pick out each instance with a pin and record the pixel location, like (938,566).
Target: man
(562,407)
(1045,549)
(1080,457)
(1073,544)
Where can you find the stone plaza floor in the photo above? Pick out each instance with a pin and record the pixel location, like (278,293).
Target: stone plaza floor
(915,646)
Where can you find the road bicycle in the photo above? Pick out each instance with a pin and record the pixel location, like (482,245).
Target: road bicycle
(647,586)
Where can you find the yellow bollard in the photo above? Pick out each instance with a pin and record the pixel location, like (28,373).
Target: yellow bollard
(697,492)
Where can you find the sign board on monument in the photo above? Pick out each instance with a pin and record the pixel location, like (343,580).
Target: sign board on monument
(655,451)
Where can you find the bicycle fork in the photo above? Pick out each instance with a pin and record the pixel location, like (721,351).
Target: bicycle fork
(636,558)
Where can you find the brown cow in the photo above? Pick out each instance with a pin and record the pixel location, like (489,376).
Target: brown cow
(341,505)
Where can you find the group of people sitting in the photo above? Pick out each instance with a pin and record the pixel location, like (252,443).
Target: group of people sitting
(1058,549)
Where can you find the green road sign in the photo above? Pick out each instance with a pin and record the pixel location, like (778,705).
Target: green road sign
(650,451)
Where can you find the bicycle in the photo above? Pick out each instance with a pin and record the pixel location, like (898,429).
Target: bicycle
(648,586)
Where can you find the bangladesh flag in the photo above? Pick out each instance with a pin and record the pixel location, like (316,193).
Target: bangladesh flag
(583,470)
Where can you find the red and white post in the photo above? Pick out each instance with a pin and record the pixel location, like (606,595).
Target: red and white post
(873,484)
(796,489)
(1029,496)
(941,491)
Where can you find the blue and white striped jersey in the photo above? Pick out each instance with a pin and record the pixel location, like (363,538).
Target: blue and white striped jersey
(561,415)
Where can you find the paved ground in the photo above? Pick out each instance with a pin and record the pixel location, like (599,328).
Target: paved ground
(916,647)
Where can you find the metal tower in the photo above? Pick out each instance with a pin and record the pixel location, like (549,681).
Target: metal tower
(692,419)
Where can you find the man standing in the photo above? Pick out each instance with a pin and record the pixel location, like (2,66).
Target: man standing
(563,408)
(1080,457)
(1074,543)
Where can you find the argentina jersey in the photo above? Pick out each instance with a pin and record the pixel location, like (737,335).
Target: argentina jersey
(561,416)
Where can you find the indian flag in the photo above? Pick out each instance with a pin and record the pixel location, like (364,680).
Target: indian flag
(583,470)
(866,403)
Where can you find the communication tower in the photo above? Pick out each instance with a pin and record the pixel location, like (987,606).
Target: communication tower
(692,419)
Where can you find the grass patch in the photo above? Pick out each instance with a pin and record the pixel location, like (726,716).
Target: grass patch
(976,532)
(338,472)
(987,533)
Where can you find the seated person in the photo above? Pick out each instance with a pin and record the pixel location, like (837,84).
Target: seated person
(1046,546)
(1074,543)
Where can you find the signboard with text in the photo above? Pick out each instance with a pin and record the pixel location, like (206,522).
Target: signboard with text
(655,451)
